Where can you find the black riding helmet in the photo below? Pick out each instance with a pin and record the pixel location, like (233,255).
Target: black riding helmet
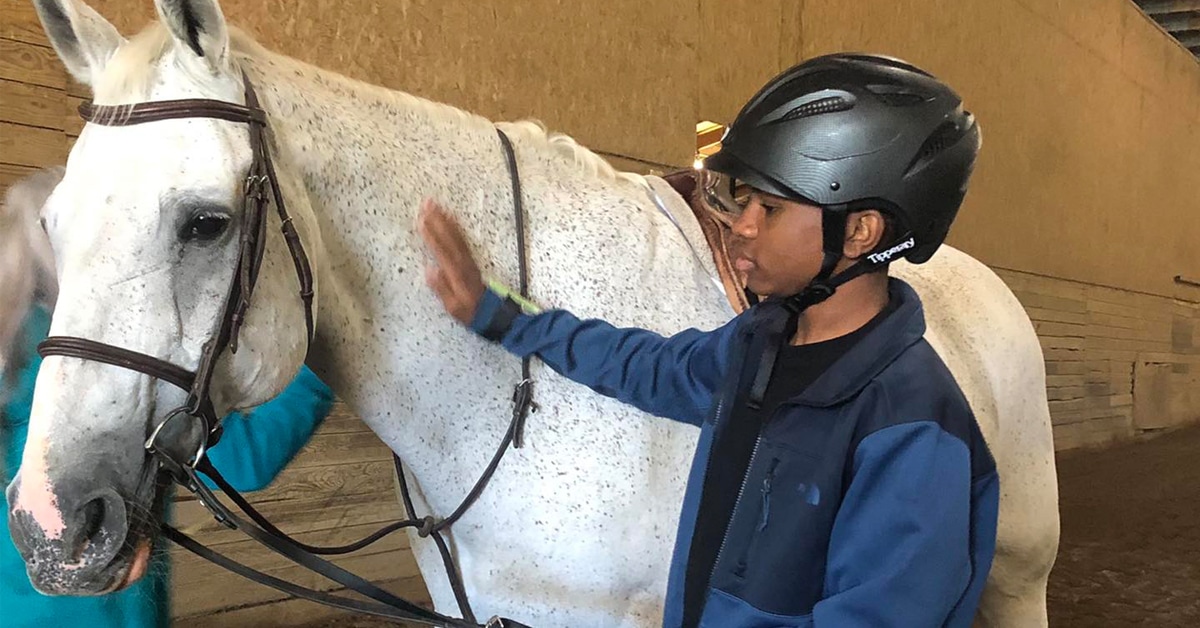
(848,132)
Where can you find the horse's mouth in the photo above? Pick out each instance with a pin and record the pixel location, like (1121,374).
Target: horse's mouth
(133,569)
(125,569)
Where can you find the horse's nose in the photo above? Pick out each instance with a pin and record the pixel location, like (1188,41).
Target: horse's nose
(70,553)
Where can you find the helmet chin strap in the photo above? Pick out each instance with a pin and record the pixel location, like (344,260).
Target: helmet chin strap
(783,322)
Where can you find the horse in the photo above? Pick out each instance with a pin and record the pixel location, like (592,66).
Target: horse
(576,527)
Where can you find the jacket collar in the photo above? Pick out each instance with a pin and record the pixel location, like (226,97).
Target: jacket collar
(891,337)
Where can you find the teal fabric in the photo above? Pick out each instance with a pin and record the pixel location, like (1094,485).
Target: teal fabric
(255,447)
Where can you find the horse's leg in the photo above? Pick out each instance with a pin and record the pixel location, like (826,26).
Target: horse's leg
(1026,547)
(1016,598)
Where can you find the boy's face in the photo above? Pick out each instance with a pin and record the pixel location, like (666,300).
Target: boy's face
(777,242)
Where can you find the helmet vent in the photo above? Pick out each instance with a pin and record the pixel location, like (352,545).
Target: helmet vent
(831,104)
(898,95)
(946,135)
(901,99)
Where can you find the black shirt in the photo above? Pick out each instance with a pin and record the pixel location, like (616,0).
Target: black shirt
(798,366)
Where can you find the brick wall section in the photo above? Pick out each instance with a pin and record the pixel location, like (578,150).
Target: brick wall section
(1118,363)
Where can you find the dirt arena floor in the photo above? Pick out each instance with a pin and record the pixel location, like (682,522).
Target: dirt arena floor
(1130,550)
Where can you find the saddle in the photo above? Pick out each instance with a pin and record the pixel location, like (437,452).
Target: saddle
(716,227)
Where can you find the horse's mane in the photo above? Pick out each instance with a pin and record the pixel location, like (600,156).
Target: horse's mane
(130,74)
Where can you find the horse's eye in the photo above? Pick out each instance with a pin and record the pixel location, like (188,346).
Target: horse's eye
(205,227)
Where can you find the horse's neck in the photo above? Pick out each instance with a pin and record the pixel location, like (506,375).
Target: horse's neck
(352,142)
(366,157)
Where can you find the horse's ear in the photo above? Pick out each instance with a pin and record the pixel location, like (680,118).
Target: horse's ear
(83,40)
(200,26)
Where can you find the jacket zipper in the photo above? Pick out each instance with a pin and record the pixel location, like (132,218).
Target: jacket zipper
(736,503)
(741,489)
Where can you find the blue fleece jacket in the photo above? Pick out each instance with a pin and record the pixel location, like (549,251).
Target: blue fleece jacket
(254,448)
(871,498)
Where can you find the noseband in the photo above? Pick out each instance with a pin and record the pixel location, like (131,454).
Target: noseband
(199,406)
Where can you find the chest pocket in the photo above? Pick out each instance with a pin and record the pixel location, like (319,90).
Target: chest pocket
(781,530)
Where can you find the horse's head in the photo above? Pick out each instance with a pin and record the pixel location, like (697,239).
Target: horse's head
(145,228)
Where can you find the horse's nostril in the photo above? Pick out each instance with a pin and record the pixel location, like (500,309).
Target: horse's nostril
(92,516)
(96,531)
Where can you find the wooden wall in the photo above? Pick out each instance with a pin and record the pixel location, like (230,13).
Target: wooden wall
(33,96)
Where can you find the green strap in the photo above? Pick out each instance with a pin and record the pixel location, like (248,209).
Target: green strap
(527,306)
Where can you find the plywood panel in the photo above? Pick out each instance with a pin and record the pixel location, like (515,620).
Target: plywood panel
(1166,394)
(31,146)
(19,21)
(341,421)
(10,174)
(31,105)
(27,63)
(345,448)
(71,122)
(334,477)
(1095,25)
(618,75)
(203,587)
(296,613)
(77,89)
(740,49)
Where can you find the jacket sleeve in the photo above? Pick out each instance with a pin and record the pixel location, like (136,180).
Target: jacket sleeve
(901,549)
(675,377)
(257,445)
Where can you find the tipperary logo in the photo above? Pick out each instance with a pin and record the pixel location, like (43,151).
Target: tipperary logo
(886,256)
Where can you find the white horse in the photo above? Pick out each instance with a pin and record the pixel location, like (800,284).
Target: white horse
(576,528)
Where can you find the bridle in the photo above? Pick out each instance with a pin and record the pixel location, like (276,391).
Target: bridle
(199,406)
(237,301)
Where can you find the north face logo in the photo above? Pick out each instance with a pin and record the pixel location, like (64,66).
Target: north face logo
(811,493)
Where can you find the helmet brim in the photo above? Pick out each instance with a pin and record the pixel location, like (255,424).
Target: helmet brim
(729,165)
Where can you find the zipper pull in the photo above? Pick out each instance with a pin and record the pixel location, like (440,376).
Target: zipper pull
(766,495)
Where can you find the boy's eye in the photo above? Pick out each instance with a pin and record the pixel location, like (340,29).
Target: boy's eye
(742,194)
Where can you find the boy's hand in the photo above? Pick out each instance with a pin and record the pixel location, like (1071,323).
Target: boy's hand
(454,275)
